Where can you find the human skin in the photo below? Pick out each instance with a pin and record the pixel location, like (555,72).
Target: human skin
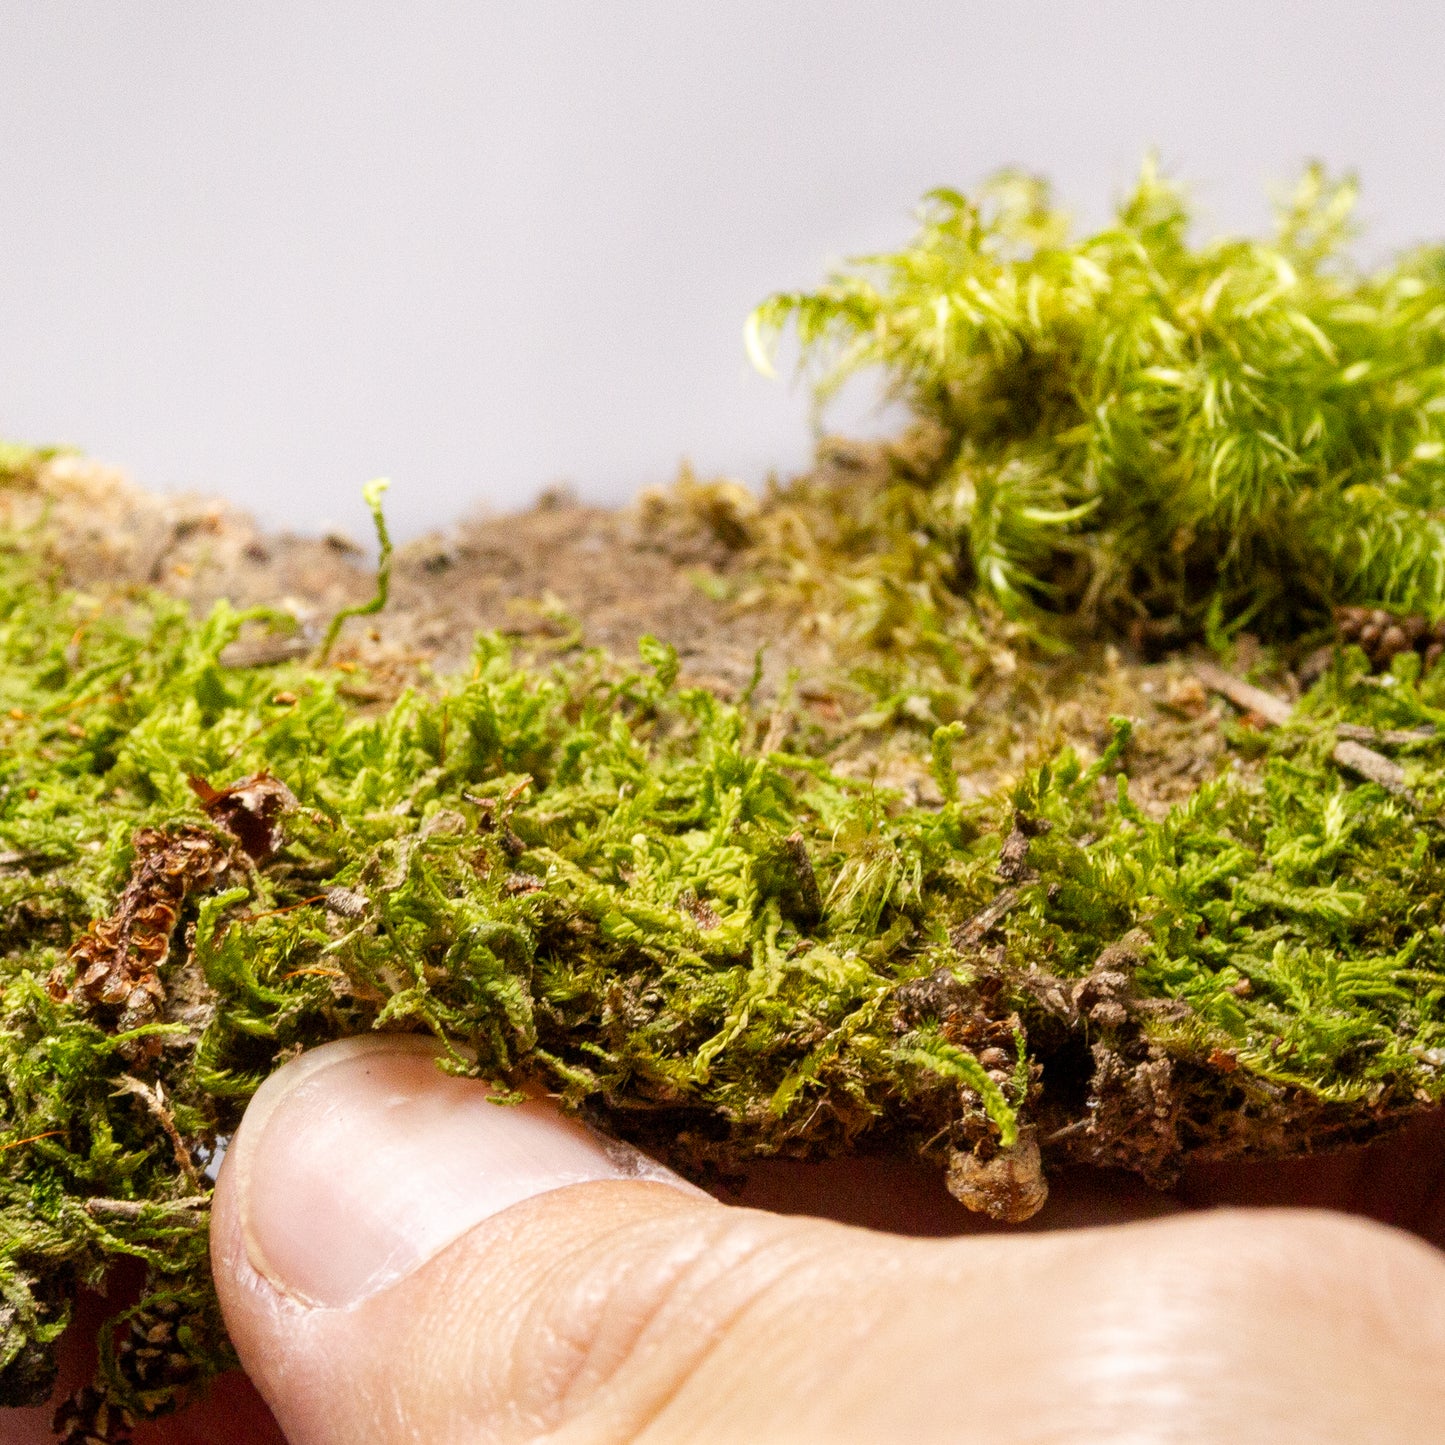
(400,1260)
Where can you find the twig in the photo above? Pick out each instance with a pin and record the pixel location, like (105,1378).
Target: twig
(128,1209)
(155,1100)
(1355,756)
(1244,695)
(972,933)
(1371,765)
(1385,737)
(264,652)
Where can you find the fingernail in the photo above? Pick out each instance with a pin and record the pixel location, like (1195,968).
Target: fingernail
(361,1160)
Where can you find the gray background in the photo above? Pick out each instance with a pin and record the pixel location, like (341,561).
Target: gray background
(272,249)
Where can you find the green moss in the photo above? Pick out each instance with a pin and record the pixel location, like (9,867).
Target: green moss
(708,926)
(1240,432)
(593,880)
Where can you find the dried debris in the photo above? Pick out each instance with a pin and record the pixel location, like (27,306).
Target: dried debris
(250,810)
(92,1417)
(114,968)
(1383,635)
(1348,752)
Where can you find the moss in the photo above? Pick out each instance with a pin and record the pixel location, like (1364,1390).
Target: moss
(594,880)
(714,927)
(1134,425)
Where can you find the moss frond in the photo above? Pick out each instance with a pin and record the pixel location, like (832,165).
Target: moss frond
(1140,424)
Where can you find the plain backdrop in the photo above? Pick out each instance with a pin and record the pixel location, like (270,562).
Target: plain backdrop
(273,249)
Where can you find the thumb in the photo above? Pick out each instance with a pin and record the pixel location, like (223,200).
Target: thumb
(401,1260)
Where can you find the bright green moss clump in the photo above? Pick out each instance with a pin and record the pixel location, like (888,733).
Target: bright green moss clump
(1242,432)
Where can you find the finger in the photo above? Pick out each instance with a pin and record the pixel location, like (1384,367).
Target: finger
(400,1259)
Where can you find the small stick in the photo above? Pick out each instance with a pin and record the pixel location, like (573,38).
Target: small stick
(1355,756)
(977,928)
(1372,765)
(155,1100)
(1385,737)
(1244,695)
(264,652)
(128,1209)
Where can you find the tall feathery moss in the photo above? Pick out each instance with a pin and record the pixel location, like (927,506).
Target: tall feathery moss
(1242,432)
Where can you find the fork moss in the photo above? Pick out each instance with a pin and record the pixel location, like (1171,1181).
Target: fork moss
(1241,432)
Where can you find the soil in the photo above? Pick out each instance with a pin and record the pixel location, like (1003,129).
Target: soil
(564,574)
(561,572)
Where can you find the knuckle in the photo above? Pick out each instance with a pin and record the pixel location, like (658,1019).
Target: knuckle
(615,1327)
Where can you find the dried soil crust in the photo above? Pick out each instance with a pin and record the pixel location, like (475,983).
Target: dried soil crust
(563,574)
(537,575)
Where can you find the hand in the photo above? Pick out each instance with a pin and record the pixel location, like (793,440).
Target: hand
(401,1260)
